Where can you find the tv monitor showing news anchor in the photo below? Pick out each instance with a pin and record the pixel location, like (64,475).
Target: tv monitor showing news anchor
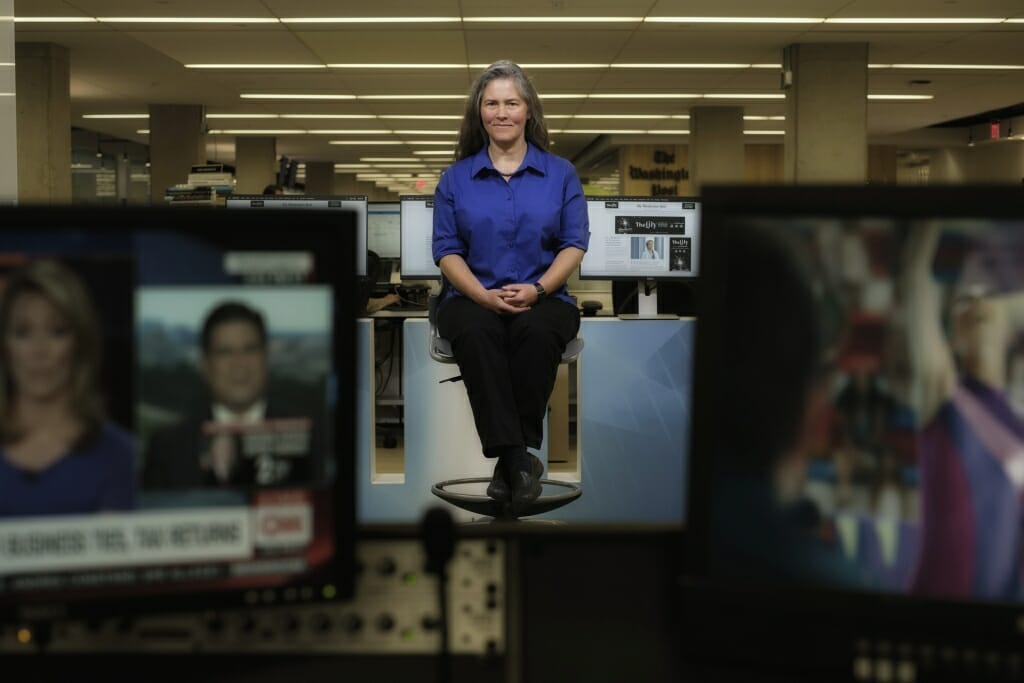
(642,238)
(858,432)
(355,203)
(176,419)
(417,262)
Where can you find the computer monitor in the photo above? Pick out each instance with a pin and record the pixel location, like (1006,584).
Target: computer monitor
(643,239)
(857,433)
(354,203)
(176,421)
(383,229)
(417,262)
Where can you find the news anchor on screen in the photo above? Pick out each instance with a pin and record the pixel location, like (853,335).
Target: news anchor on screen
(59,455)
(241,436)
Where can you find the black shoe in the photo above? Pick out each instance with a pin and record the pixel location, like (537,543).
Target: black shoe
(525,472)
(499,489)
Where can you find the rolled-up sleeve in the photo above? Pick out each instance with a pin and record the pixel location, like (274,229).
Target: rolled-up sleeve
(446,235)
(575,230)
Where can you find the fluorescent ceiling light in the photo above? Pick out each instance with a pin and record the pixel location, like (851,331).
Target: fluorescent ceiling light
(765,66)
(255,66)
(912,20)
(243,116)
(644,96)
(389,159)
(552,20)
(621,116)
(938,67)
(412,97)
(423,117)
(764,118)
(328,116)
(256,131)
(427,143)
(432,152)
(115,116)
(293,96)
(674,65)
(403,65)
(143,131)
(734,20)
(187,20)
(563,96)
(901,97)
(364,142)
(54,20)
(554,65)
(353,166)
(370,20)
(600,131)
(426,132)
(349,131)
(764,132)
(745,96)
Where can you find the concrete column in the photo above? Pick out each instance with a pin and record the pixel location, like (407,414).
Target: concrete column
(826,112)
(8,106)
(255,163)
(716,146)
(320,177)
(177,141)
(44,123)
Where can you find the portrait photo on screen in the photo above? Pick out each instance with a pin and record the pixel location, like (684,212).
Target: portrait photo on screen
(65,429)
(233,386)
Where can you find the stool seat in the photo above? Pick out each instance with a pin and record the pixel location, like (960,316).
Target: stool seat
(482,504)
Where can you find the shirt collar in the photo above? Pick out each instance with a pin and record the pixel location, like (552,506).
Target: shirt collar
(534,160)
(254,415)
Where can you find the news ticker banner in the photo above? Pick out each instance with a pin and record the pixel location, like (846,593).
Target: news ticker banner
(124,539)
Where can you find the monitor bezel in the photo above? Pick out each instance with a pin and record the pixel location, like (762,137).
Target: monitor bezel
(235,231)
(843,623)
(236,202)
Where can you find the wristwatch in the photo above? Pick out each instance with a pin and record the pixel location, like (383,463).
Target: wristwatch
(540,290)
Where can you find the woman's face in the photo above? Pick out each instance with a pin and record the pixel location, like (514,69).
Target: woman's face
(39,346)
(503,112)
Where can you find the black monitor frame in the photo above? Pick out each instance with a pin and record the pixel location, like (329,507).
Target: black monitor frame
(334,252)
(284,201)
(792,629)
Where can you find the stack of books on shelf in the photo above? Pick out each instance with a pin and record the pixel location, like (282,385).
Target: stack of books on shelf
(206,185)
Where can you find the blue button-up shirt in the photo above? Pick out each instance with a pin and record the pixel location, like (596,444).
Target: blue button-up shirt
(509,232)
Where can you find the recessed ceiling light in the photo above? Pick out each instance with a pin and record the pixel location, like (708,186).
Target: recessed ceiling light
(187,20)
(293,96)
(734,20)
(552,20)
(255,66)
(371,20)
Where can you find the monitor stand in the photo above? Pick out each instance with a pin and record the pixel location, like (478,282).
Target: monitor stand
(646,302)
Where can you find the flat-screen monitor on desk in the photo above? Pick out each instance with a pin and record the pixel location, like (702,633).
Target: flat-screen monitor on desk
(417,261)
(645,240)
(144,334)
(383,229)
(858,433)
(354,203)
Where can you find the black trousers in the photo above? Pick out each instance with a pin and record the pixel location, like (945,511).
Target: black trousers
(508,364)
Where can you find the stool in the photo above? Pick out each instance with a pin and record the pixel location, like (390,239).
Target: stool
(479,502)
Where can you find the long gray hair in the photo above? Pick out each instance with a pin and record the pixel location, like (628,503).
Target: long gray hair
(473,137)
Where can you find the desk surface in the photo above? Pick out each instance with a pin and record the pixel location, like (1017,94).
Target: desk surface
(400,313)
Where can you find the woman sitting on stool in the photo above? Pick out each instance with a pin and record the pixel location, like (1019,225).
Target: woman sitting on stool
(510,227)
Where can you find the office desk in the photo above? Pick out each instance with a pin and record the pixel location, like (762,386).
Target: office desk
(633,406)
